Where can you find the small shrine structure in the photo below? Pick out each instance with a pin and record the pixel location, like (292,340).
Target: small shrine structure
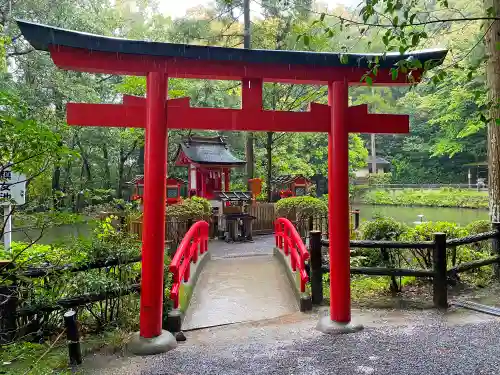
(290,186)
(209,162)
(173,191)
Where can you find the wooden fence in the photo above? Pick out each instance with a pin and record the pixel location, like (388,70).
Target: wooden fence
(436,251)
(264,217)
(175,230)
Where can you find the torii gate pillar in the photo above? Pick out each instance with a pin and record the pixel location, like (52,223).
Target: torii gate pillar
(151,338)
(339,319)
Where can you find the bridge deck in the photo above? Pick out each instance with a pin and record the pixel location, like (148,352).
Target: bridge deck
(236,287)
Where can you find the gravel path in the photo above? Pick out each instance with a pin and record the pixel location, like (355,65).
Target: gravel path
(406,343)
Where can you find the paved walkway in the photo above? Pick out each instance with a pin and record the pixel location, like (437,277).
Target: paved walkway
(241,283)
(396,343)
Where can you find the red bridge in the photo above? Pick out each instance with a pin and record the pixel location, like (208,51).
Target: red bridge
(237,283)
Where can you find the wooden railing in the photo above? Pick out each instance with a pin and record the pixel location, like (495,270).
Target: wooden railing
(195,242)
(437,250)
(289,241)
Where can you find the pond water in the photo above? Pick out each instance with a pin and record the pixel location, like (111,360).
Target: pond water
(409,215)
(53,235)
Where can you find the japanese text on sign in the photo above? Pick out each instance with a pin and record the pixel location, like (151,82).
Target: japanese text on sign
(12,187)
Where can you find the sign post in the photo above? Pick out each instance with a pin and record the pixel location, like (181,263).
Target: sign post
(12,192)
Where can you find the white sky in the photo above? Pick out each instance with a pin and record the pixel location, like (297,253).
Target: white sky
(178,8)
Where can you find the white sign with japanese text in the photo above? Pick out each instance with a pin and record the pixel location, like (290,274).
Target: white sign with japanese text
(12,187)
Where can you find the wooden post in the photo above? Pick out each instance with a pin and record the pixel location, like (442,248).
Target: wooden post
(8,305)
(387,260)
(495,249)
(356,219)
(74,350)
(440,287)
(316,274)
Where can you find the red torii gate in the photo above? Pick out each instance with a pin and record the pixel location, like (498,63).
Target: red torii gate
(157,61)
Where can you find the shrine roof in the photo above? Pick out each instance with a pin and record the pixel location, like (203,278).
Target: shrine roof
(208,150)
(140,179)
(379,160)
(42,37)
(286,179)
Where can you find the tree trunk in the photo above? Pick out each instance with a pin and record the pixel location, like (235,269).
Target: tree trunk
(269,151)
(140,161)
(493,81)
(56,186)
(107,171)
(121,168)
(250,157)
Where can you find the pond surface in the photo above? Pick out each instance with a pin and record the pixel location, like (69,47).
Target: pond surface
(409,215)
(53,235)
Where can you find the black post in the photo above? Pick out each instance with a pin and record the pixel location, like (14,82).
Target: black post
(440,287)
(387,260)
(495,249)
(311,223)
(74,350)
(316,276)
(189,223)
(8,304)
(356,219)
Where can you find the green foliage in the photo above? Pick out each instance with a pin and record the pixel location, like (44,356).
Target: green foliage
(191,208)
(445,197)
(379,178)
(383,228)
(425,231)
(478,226)
(301,206)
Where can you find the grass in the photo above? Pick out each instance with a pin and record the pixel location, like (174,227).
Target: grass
(52,357)
(445,197)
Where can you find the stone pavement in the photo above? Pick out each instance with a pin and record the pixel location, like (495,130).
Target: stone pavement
(235,290)
(242,282)
(393,342)
(262,245)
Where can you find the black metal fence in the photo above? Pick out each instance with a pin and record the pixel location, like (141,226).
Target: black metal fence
(436,251)
(25,309)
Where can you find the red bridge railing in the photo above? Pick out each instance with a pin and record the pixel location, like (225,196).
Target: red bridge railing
(194,242)
(289,241)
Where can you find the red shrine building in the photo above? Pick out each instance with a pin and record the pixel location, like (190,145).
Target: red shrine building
(174,186)
(209,162)
(290,186)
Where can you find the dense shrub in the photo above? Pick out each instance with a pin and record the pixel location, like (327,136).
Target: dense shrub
(302,207)
(425,231)
(478,226)
(379,178)
(383,228)
(380,229)
(191,208)
(446,197)
(105,243)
